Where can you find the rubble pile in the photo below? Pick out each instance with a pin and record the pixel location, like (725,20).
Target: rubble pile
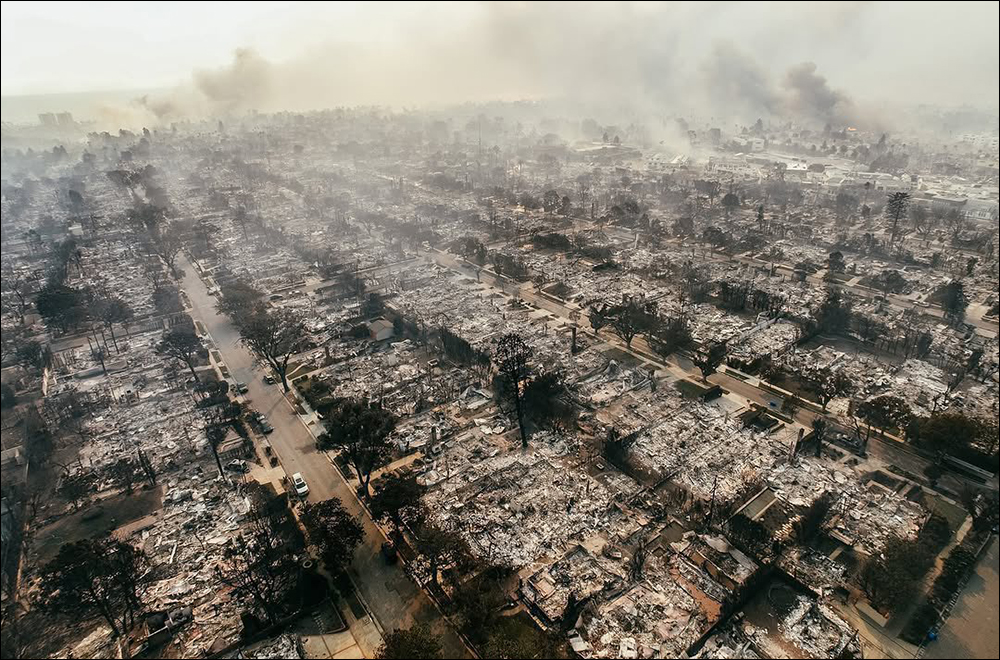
(818,631)
(770,339)
(867,513)
(200,515)
(660,616)
(516,507)
(703,448)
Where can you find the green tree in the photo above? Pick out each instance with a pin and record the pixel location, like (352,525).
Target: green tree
(669,334)
(709,360)
(954,301)
(33,355)
(238,298)
(544,399)
(417,642)
(834,314)
(888,579)
(819,427)
(110,311)
(895,208)
(835,262)
(257,563)
(61,306)
(827,384)
(333,531)
(631,317)
(441,548)
(730,202)
(883,413)
(360,430)
(946,431)
(397,500)
(107,575)
(810,522)
(183,345)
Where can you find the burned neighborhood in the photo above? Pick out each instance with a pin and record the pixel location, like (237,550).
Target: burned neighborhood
(673,345)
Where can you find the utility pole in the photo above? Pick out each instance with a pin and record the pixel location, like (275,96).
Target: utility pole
(711,506)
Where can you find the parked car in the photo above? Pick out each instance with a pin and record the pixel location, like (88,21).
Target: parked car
(389,553)
(300,485)
(242,388)
(238,465)
(269,379)
(259,422)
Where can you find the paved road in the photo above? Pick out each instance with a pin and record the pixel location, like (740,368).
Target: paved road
(972,630)
(387,591)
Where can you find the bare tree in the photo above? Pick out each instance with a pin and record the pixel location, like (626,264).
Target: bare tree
(274,337)
(183,345)
(511,355)
(896,208)
(110,311)
(16,288)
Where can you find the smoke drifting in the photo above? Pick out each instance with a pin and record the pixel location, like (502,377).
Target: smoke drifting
(243,84)
(728,61)
(811,96)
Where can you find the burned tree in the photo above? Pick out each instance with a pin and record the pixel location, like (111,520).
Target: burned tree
(511,355)
(16,286)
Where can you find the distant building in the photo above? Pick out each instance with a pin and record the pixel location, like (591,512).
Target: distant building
(737,167)
(980,209)
(981,141)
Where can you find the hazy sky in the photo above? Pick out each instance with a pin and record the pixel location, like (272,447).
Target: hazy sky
(50,47)
(320,54)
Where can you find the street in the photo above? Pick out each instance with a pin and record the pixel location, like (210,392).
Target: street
(971,629)
(390,595)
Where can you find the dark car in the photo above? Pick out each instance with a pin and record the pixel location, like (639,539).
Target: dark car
(389,553)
